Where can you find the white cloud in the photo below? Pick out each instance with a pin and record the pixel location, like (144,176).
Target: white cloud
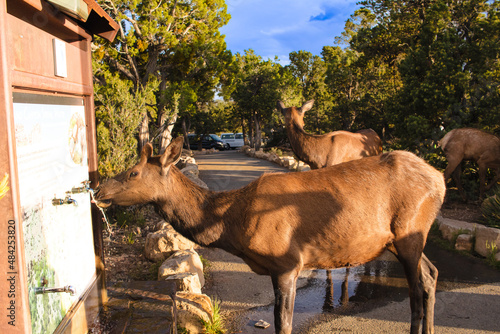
(278,27)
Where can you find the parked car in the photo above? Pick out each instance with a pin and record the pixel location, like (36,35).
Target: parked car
(233,140)
(207,142)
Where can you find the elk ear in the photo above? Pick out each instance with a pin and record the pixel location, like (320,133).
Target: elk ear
(172,153)
(306,106)
(146,153)
(280,106)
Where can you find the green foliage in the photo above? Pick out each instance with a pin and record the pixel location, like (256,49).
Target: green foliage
(170,49)
(126,216)
(493,250)
(490,209)
(119,110)
(216,324)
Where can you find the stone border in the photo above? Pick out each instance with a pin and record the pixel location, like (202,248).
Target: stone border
(285,161)
(468,236)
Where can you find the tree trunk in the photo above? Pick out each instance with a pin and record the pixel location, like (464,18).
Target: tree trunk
(250,132)
(143,132)
(244,131)
(185,130)
(258,135)
(166,134)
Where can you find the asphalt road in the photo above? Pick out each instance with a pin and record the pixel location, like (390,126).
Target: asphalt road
(367,299)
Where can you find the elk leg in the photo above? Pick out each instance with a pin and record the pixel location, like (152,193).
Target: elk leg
(406,253)
(456,177)
(428,278)
(452,165)
(284,285)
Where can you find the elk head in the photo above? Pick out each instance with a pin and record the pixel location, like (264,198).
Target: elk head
(294,114)
(141,183)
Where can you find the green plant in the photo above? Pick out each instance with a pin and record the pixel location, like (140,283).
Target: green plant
(206,263)
(182,330)
(123,217)
(491,210)
(276,151)
(153,270)
(130,239)
(493,249)
(216,324)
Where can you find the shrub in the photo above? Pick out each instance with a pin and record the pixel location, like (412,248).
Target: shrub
(491,210)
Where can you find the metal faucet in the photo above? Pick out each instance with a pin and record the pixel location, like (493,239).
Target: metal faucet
(43,289)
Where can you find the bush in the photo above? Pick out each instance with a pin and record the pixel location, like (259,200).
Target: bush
(119,111)
(491,210)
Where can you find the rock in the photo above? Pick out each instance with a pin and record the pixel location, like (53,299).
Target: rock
(260,154)
(450,227)
(181,262)
(464,242)
(487,240)
(163,243)
(273,157)
(303,167)
(189,282)
(286,161)
(190,170)
(191,308)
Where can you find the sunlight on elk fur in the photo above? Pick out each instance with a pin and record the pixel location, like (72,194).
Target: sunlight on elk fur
(283,223)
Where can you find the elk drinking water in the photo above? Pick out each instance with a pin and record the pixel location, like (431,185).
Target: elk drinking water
(280,224)
(329,149)
(471,144)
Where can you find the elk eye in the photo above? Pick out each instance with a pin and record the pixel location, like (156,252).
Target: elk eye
(134,174)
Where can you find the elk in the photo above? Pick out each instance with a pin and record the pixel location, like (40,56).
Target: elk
(329,149)
(282,223)
(471,144)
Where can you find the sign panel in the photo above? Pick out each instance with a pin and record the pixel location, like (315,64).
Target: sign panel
(52,164)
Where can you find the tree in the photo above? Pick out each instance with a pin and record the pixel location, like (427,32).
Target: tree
(172,42)
(310,71)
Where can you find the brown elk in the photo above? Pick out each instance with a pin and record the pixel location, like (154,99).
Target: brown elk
(471,144)
(282,223)
(329,149)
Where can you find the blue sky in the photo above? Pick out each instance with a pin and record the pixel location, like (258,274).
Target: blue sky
(278,27)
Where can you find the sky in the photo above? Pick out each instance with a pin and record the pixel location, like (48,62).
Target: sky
(278,27)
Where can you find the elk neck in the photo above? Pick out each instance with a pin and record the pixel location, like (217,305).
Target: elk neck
(303,144)
(198,214)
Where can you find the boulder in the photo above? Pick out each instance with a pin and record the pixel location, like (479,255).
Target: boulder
(464,242)
(189,282)
(273,157)
(487,240)
(163,243)
(303,167)
(450,227)
(192,307)
(181,262)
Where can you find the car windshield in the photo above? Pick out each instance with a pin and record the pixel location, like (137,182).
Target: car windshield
(238,136)
(215,137)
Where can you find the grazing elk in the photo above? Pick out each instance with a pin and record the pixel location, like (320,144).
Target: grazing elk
(280,224)
(329,149)
(471,144)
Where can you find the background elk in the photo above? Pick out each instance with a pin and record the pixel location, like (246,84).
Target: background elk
(329,149)
(471,144)
(280,224)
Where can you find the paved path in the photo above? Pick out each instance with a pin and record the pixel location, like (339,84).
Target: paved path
(468,300)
